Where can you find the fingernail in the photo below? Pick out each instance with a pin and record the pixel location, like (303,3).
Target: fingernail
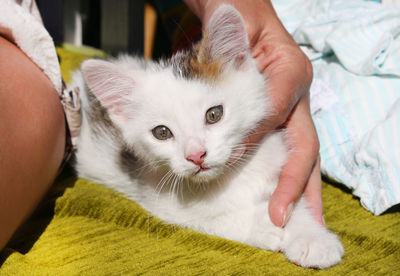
(287,214)
(323,220)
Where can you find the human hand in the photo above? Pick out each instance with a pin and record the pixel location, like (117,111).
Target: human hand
(289,73)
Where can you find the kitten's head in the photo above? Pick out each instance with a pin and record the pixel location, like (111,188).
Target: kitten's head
(190,113)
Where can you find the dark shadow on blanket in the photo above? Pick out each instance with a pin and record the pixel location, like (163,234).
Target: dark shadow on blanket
(393,209)
(31,230)
(338,185)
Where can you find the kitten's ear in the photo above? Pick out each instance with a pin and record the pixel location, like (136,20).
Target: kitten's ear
(111,86)
(225,38)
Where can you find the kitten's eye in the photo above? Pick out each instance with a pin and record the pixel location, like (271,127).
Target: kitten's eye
(214,114)
(162,133)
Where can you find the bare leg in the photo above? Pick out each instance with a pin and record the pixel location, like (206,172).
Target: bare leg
(32,137)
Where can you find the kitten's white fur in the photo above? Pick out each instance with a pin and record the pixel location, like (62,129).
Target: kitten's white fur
(230,199)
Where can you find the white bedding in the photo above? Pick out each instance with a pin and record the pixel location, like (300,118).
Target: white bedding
(354,47)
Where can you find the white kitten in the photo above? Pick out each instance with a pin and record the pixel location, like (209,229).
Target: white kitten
(168,135)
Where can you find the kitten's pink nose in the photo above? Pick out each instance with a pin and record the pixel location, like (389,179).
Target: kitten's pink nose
(197,158)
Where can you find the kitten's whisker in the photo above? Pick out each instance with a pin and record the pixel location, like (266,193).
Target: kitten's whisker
(173,189)
(181,186)
(151,165)
(249,144)
(155,163)
(245,147)
(183,31)
(164,180)
(176,187)
(234,167)
(179,191)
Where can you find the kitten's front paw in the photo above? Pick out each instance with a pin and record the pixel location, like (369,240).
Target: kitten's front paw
(315,251)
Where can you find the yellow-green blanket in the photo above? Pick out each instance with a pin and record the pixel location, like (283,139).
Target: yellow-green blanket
(83,228)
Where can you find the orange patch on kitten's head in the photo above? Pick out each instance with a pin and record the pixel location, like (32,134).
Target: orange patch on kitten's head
(207,71)
(192,64)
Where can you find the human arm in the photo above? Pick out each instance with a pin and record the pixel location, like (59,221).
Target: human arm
(289,75)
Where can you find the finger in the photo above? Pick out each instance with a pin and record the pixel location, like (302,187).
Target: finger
(313,191)
(292,181)
(298,169)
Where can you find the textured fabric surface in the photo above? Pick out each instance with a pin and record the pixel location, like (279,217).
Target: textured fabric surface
(71,57)
(84,228)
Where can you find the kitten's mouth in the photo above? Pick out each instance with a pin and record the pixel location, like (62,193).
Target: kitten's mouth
(201,169)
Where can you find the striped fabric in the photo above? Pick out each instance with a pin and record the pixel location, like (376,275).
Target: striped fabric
(354,46)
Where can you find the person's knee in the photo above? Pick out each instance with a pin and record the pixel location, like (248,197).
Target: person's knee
(32,137)
(31,111)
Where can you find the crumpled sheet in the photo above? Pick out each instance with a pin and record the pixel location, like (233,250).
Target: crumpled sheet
(354,47)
